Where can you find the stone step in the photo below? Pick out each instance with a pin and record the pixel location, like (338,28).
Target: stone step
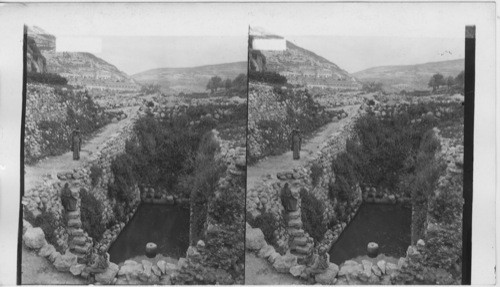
(80,249)
(75,223)
(303,249)
(75,231)
(294,232)
(73,214)
(300,241)
(80,240)
(295,223)
(294,214)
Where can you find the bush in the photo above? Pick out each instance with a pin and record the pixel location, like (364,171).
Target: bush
(46,78)
(91,211)
(47,221)
(95,174)
(267,223)
(316,173)
(312,210)
(267,77)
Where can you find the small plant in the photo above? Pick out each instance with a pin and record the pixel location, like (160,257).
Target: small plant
(312,210)
(91,213)
(47,221)
(267,223)
(316,173)
(95,174)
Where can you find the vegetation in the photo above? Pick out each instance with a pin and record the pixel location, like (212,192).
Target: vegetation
(151,89)
(316,173)
(312,210)
(267,223)
(237,86)
(46,78)
(453,84)
(372,87)
(267,77)
(95,174)
(48,222)
(214,83)
(91,211)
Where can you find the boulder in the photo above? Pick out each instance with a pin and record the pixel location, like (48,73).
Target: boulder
(420,243)
(266,251)
(76,269)
(401,262)
(412,252)
(297,270)
(367,268)
(381,266)
(46,250)
(64,262)
(272,258)
(34,238)
(283,263)
(162,265)
(376,270)
(328,277)
(254,239)
(147,265)
(156,270)
(107,277)
(390,268)
(130,269)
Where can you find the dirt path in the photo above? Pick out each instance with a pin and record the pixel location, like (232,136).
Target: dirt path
(34,174)
(260,272)
(39,271)
(284,162)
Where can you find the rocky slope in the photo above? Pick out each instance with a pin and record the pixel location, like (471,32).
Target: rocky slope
(35,61)
(80,68)
(301,66)
(410,77)
(192,79)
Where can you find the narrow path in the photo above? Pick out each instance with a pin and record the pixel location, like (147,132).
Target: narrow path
(34,173)
(39,271)
(284,162)
(260,272)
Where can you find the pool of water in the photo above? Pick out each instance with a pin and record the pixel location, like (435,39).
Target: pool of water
(387,225)
(167,226)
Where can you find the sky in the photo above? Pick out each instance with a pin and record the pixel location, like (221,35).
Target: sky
(354,36)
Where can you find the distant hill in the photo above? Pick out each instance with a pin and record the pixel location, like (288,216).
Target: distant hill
(301,66)
(410,77)
(80,68)
(188,80)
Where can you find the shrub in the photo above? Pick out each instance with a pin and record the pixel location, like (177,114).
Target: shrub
(47,221)
(95,174)
(316,173)
(267,77)
(46,78)
(312,210)
(91,211)
(267,223)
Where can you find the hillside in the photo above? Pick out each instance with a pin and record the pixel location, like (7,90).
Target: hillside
(303,67)
(80,68)
(192,79)
(410,77)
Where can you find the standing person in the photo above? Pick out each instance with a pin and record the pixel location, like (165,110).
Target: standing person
(296,143)
(76,144)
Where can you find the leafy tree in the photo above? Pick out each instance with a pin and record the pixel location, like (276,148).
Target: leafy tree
(436,81)
(371,87)
(214,83)
(450,82)
(228,84)
(459,79)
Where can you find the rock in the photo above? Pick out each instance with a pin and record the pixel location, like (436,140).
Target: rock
(107,276)
(266,251)
(372,249)
(283,263)
(156,270)
(390,268)
(34,238)
(328,277)
(53,256)
(162,265)
(297,270)
(76,269)
(367,268)
(381,266)
(254,239)
(147,265)
(200,244)
(64,262)
(420,243)
(131,269)
(376,270)
(272,258)
(412,252)
(46,250)
(401,262)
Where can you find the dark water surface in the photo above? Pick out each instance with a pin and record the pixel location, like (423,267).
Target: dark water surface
(387,225)
(166,226)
